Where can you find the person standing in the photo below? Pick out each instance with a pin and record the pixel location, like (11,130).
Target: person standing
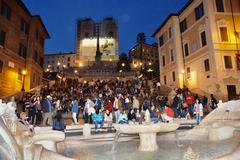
(47,110)
(58,122)
(190,101)
(135,104)
(198,108)
(74,110)
(213,102)
(38,111)
(116,106)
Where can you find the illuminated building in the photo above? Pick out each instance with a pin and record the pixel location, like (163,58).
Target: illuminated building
(59,61)
(199,47)
(22,37)
(87,41)
(148,55)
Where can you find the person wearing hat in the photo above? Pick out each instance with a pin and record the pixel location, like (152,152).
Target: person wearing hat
(47,110)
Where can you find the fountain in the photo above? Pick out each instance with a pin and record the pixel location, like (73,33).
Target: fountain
(147,133)
(22,144)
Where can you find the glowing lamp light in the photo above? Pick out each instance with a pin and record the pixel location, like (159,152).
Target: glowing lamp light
(75,71)
(149,63)
(47,69)
(58,63)
(64,66)
(140,63)
(182,71)
(120,71)
(84,82)
(135,65)
(123,64)
(49,66)
(24,72)
(80,64)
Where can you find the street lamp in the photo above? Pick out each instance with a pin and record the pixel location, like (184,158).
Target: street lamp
(24,72)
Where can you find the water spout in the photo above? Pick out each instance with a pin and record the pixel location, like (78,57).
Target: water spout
(116,137)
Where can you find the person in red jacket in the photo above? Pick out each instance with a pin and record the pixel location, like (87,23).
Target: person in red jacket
(190,101)
(109,106)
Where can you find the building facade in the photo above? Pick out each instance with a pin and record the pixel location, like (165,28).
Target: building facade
(59,61)
(199,48)
(22,37)
(143,54)
(86,44)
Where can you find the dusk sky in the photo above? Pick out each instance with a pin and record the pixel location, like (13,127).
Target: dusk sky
(133,16)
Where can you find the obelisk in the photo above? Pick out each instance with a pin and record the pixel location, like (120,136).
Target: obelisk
(98,53)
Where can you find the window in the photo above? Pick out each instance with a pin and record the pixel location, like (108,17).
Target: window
(188,72)
(171,55)
(36,33)
(228,62)
(165,80)
(173,76)
(203,38)
(69,59)
(6,11)
(186,50)
(161,41)
(35,56)
(22,51)
(2,38)
(170,32)
(163,60)
(206,65)
(199,11)
(183,25)
(223,34)
(24,26)
(219,5)
(1,66)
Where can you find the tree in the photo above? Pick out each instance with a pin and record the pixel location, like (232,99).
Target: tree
(141,38)
(123,63)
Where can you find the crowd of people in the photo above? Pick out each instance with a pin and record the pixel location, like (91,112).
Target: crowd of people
(107,102)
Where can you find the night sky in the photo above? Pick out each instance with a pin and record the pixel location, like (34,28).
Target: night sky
(133,16)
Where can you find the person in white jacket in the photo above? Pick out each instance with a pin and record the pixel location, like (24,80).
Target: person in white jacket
(198,109)
(108,118)
(135,104)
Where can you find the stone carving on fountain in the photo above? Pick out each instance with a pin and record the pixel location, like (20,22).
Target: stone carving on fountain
(18,141)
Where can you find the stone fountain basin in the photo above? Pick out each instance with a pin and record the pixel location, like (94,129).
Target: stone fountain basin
(146,128)
(147,133)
